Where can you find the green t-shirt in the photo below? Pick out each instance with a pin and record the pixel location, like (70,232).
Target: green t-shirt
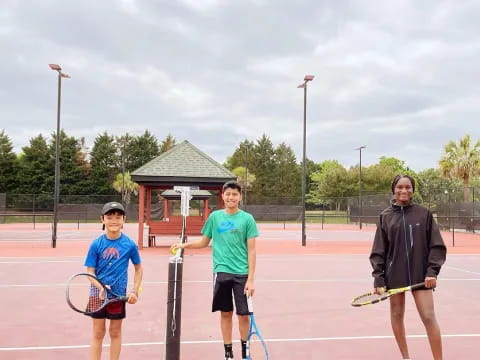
(229,234)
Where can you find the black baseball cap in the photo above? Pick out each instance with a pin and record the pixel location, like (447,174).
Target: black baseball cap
(113,206)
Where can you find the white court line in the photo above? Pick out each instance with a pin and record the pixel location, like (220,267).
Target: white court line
(207,342)
(462,270)
(342,280)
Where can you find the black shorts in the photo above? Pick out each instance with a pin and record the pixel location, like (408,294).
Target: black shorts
(113,311)
(226,286)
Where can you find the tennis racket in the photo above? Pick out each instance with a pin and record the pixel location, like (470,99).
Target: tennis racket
(86,294)
(256,347)
(372,298)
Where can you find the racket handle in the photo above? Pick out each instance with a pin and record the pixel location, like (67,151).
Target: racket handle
(250,304)
(419,286)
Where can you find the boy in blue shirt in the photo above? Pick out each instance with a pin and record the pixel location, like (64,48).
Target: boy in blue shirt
(107,259)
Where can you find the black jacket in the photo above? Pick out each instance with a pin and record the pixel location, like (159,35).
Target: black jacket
(407,247)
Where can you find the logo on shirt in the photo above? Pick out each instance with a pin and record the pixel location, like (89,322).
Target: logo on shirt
(226,226)
(111,253)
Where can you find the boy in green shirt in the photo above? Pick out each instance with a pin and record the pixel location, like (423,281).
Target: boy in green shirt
(233,233)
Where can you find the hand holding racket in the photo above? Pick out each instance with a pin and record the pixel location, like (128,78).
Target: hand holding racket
(86,294)
(256,347)
(249,288)
(378,295)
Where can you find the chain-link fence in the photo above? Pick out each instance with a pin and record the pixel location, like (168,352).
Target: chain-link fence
(453,208)
(39,207)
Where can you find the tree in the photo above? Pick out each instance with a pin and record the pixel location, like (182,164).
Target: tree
(124,181)
(378,177)
(287,173)
(74,170)
(34,167)
(242,156)
(431,186)
(461,161)
(167,144)
(8,164)
(312,167)
(140,150)
(104,161)
(241,173)
(263,166)
(330,184)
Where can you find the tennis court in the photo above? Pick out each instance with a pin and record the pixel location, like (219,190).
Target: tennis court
(302,298)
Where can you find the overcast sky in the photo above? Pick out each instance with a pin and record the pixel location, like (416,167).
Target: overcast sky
(400,77)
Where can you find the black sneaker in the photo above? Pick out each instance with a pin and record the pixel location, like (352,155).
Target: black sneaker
(229,356)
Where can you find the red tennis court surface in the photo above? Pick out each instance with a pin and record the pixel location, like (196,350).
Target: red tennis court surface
(302,299)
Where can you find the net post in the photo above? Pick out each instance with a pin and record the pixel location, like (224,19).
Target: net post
(175,282)
(174,309)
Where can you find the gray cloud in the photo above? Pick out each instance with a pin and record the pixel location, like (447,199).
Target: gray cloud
(400,77)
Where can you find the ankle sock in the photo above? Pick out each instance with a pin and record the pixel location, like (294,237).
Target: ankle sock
(244,349)
(228,350)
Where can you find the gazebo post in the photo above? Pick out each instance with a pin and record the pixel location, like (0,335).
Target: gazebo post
(205,209)
(141,210)
(149,204)
(165,208)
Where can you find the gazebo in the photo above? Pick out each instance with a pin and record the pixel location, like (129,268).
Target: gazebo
(182,165)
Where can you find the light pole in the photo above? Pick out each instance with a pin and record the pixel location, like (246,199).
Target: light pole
(124,140)
(303,86)
(360,187)
(56,196)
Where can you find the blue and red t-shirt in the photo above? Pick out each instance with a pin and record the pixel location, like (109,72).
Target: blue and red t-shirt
(110,260)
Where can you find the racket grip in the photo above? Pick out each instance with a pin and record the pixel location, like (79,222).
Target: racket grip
(250,304)
(419,286)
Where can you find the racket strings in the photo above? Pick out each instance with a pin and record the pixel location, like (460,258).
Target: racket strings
(84,296)
(95,300)
(255,348)
(367,298)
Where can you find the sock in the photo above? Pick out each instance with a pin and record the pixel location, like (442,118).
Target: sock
(228,350)
(244,349)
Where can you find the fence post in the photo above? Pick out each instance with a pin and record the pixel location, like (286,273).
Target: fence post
(323,217)
(453,231)
(33,211)
(473,209)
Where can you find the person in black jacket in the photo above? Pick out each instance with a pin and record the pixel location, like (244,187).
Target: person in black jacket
(408,249)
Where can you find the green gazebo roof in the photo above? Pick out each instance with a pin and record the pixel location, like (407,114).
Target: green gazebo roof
(183,164)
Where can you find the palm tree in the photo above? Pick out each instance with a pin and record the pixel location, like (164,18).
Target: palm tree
(124,182)
(461,161)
